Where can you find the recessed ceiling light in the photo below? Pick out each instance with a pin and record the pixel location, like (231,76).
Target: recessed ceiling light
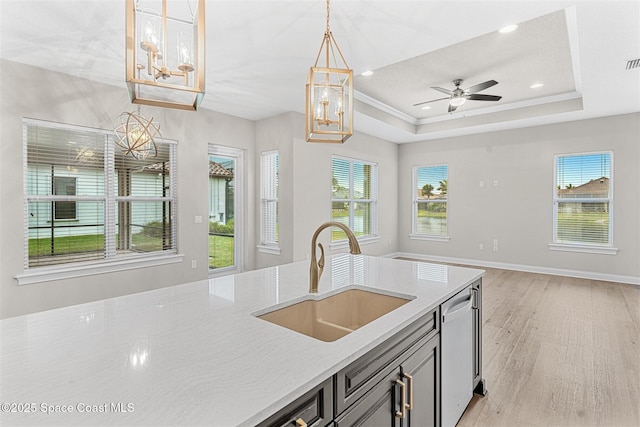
(508,28)
(427,107)
(536,85)
(367,73)
(71,142)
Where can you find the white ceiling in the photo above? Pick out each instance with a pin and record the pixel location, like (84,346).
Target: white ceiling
(259,54)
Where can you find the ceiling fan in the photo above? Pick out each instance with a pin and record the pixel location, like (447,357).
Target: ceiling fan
(459,96)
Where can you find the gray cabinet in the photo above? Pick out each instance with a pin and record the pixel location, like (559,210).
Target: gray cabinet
(404,371)
(397,383)
(314,408)
(407,394)
(421,374)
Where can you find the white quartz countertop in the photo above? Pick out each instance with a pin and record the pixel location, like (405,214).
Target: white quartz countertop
(193,354)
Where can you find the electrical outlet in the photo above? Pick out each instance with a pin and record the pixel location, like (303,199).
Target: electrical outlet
(495,245)
(198,219)
(481,184)
(481,246)
(194,263)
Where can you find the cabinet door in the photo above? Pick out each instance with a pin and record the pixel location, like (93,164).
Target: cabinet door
(314,408)
(421,373)
(377,407)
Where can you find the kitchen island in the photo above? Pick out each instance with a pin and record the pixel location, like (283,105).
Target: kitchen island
(194,354)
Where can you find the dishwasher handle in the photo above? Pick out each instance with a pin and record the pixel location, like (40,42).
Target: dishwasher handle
(460,308)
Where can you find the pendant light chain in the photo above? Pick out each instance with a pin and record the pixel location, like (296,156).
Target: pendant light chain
(328,17)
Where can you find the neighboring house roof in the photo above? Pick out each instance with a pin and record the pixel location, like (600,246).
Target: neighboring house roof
(216,169)
(343,193)
(157,166)
(598,187)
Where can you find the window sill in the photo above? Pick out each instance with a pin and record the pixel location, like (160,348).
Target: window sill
(48,274)
(265,249)
(429,238)
(588,249)
(362,241)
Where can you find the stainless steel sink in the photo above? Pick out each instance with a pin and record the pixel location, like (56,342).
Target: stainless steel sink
(335,316)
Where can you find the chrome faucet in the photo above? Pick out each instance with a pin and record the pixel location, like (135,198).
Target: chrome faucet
(315,271)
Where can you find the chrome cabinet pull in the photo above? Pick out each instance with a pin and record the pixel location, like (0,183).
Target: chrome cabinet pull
(410,385)
(403,401)
(300,423)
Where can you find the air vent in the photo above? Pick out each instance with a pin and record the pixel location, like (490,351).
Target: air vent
(634,63)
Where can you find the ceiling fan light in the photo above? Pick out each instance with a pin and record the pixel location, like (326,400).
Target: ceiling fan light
(456,102)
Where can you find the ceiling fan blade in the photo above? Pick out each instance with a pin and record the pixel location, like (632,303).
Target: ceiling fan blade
(452,108)
(481,97)
(481,86)
(443,90)
(426,102)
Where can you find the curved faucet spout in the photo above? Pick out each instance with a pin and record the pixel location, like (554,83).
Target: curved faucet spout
(315,270)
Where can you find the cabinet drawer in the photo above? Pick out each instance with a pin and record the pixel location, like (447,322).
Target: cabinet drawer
(356,379)
(315,408)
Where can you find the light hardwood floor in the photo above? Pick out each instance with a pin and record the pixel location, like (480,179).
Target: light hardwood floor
(558,351)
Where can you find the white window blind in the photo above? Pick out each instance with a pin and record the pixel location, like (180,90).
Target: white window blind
(87,201)
(430,193)
(353,196)
(583,201)
(269,195)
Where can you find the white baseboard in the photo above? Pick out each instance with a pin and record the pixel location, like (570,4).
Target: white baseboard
(519,267)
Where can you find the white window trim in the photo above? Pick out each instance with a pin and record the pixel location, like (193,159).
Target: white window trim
(586,249)
(607,249)
(269,249)
(364,240)
(111,265)
(414,213)
(369,238)
(70,271)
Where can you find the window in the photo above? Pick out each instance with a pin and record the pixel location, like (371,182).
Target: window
(430,193)
(86,201)
(583,200)
(269,202)
(64,186)
(353,197)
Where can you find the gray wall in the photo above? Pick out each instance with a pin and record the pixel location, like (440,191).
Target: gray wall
(312,189)
(518,212)
(305,186)
(31,92)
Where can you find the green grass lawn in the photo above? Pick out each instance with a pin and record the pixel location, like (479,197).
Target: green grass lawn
(66,245)
(585,227)
(221,251)
(88,243)
(429,214)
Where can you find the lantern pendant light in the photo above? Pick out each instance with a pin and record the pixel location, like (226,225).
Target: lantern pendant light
(329,101)
(165,52)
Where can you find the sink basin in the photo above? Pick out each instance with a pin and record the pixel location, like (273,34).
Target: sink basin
(335,316)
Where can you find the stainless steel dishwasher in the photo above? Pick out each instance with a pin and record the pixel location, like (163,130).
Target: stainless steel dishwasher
(457,356)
